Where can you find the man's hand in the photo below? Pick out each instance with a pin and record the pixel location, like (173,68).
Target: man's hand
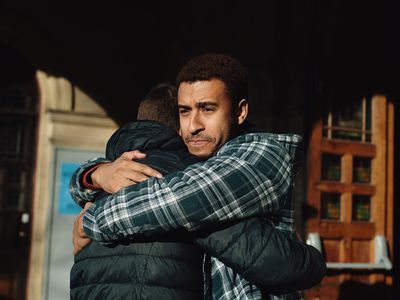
(122,172)
(79,238)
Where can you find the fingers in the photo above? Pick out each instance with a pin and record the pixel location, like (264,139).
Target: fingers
(141,172)
(78,225)
(135,154)
(79,244)
(87,205)
(126,160)
(79,237)
(128,173)
(123,172)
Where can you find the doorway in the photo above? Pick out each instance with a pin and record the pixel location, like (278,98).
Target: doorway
(18,127)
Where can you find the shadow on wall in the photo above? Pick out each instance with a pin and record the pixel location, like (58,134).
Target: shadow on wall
(351,290)
(308,212)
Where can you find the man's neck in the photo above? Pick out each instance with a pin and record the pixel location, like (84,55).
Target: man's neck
(247,127)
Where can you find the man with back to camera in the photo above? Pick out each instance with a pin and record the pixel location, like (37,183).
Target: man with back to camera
(167,265)
(249,175)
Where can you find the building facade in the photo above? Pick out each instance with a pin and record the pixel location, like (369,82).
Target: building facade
(330,73)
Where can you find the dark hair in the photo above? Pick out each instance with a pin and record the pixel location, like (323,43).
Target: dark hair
(160,105)
(217,66)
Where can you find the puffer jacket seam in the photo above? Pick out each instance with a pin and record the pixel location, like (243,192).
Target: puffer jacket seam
(228,246)
(144,272)
(133,254)
(124,283)
(262,249)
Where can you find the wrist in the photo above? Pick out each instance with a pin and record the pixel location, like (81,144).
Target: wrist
(87,179)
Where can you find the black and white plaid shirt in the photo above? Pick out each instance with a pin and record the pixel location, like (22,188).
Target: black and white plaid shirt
(250,175)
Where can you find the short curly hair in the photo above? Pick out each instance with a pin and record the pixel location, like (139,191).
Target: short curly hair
(217,66)
(161,105)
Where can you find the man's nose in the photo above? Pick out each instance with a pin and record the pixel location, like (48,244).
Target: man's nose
(195,125)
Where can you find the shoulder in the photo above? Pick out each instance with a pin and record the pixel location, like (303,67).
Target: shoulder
(262,148)
(264,137)
(259,141)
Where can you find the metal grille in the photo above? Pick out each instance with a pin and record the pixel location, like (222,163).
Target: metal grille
(11,136)
(12,200)
(15,97)
(17,144)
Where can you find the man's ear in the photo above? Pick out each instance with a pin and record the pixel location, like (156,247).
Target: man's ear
(179,131)
(242,111)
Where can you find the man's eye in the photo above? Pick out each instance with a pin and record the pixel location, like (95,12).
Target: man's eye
(183,111)
(208,109)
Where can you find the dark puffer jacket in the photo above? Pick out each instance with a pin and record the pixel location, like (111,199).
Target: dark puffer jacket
(147,268)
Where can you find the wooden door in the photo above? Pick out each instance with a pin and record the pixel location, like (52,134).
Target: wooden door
(348,187)
(18,113)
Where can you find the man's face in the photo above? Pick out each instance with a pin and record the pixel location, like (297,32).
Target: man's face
(206,116)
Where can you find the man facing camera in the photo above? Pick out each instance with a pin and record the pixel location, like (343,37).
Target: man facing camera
(244,174)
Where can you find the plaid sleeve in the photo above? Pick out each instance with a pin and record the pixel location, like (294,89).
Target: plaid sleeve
(249,176)
(78,191)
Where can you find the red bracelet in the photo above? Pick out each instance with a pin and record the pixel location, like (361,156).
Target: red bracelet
(88,175)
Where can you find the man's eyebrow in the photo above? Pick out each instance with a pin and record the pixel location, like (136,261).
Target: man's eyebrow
(206,103)
(199,104)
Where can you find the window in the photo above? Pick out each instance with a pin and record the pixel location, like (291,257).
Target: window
(349,161)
